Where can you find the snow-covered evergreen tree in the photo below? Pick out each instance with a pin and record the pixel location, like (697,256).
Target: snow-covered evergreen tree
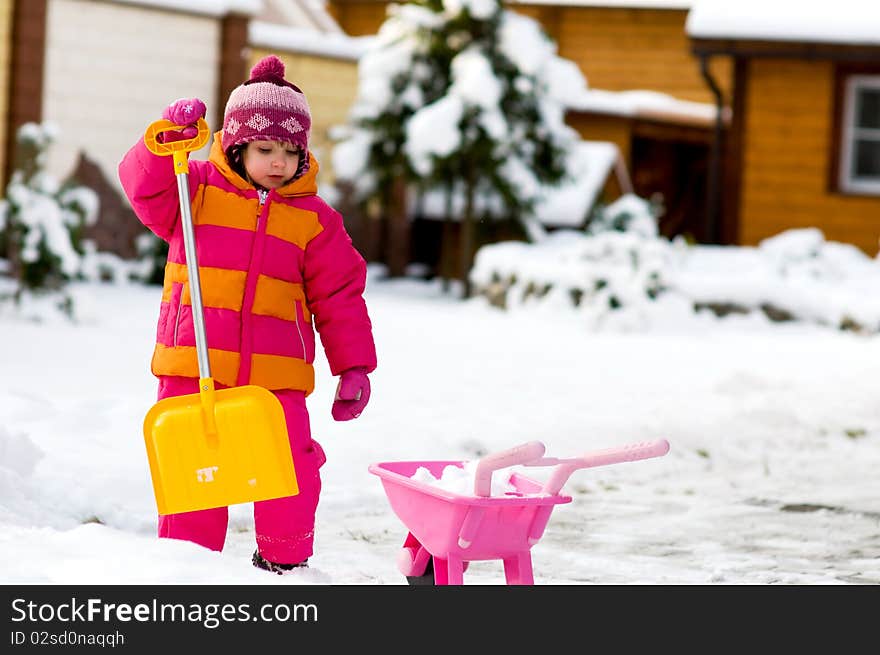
(41,220)
(462,98)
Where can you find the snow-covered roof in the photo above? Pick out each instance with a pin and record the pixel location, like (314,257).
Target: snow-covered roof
(303,26)
(843,21)
(307,40)
(643,104)
(207,7)
(299,13)
(569,203)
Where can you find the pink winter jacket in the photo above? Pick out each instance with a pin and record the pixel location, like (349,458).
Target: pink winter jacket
(270,275)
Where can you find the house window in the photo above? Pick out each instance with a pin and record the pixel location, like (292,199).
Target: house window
(860,156)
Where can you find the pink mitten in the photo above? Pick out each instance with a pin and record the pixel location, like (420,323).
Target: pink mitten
(352,394)
(186,111)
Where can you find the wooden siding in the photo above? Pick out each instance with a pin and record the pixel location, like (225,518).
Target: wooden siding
(233,63)
(25,97)
(616,48)
(5,65)
(112,68)
(787,146)
(619,49)
(330,86)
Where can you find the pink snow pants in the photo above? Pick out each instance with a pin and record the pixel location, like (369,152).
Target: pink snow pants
(284,527)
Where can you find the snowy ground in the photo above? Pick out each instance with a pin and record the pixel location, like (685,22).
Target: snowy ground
(771,477)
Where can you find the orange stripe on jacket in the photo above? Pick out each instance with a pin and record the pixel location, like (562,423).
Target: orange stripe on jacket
(183,360)
(278,372)
(297,226)
(270,371)
(216,206)
(278,298)
(221,287)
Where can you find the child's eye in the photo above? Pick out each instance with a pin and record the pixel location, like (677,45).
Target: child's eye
(265,151)
(292,153)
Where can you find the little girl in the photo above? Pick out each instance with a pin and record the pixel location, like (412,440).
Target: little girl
(276,265)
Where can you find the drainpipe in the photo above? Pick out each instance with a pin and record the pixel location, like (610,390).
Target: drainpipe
(713,194)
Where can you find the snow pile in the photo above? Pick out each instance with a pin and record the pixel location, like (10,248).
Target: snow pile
(625,275)
(796,275)
(18,459)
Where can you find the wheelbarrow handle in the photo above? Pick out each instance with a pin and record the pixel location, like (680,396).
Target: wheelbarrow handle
(628,453)
(521,454)
(531,453)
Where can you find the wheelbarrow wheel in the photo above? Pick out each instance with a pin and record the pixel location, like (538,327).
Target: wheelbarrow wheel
(427,578)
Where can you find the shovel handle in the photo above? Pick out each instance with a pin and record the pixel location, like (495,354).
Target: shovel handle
(156,128)
(180,151)
(628,453)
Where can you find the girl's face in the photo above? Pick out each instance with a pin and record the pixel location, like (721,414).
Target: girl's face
(270,164)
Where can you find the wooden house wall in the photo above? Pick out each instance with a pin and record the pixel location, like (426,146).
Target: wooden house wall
(616,48)
(110,71)
(786,159)
(330,86)
(5,66)
(619,48)
(600,127)
(24,88)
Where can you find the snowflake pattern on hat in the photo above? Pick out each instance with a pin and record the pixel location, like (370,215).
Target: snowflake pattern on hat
(258,122)
(292,125)
(232,126)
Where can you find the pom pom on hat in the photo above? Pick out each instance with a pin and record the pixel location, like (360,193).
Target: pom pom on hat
(270,66)
(267,108)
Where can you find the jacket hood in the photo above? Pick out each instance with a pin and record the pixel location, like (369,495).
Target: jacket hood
(305,185)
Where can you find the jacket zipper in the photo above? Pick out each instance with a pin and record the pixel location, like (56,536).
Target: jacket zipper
(246,348)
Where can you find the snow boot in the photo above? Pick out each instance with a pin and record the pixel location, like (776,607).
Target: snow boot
(261,563)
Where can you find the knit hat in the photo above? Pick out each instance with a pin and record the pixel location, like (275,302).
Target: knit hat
(266,108)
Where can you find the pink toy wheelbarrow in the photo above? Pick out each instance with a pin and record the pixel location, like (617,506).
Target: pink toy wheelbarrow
(448,529)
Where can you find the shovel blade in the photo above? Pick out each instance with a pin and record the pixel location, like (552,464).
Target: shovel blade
(247,459)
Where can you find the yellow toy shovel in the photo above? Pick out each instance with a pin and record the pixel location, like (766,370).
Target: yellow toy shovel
(216,447)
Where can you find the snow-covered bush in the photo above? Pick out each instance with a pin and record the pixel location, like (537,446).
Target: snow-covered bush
(629,213)
(620,263)
(41,221)
(630,277)
(794,275)
(100,266)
